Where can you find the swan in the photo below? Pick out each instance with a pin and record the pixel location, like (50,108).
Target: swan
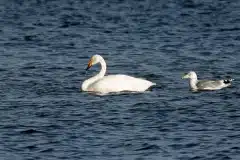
(112,83)
(196,84)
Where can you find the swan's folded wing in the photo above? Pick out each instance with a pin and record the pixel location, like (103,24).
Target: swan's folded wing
(118,83)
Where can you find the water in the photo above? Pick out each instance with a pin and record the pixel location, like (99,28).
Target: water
(45,46)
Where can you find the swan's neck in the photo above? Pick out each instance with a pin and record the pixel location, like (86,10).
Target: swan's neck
(193,83)
(97,77)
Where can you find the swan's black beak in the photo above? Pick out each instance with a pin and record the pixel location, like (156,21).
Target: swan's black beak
(88,68)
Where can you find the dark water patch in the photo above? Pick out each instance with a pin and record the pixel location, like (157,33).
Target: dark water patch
(30,131)
(197,158)
(151,75)
(205,53)
(148,147)
(47,150)
(30,37)
(2,70)
(140,104)
(31,147)
(42,114)
(191,4)
(234,135)
(237,38)
(67,24)
(29,67)
(229,29)
(235,148)
(15,39)
(190,145)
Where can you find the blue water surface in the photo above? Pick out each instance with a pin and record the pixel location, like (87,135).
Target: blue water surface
(46,44)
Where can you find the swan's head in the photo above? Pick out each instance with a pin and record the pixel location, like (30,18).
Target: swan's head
(190,75)
(94,60)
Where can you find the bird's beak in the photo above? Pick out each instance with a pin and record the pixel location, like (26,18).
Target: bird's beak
(185,76)
(89,64)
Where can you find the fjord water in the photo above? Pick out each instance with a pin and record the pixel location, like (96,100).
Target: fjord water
(45,47)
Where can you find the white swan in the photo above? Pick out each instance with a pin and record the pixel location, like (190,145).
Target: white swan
(196,84)
(112,83)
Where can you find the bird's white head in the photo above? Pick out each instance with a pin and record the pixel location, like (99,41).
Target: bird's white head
(94,60)
(191,75)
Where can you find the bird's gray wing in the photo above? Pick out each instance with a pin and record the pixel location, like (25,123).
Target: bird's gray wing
(209,84)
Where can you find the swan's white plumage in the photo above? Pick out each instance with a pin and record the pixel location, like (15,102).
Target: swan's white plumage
(118,83)
(113,83)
